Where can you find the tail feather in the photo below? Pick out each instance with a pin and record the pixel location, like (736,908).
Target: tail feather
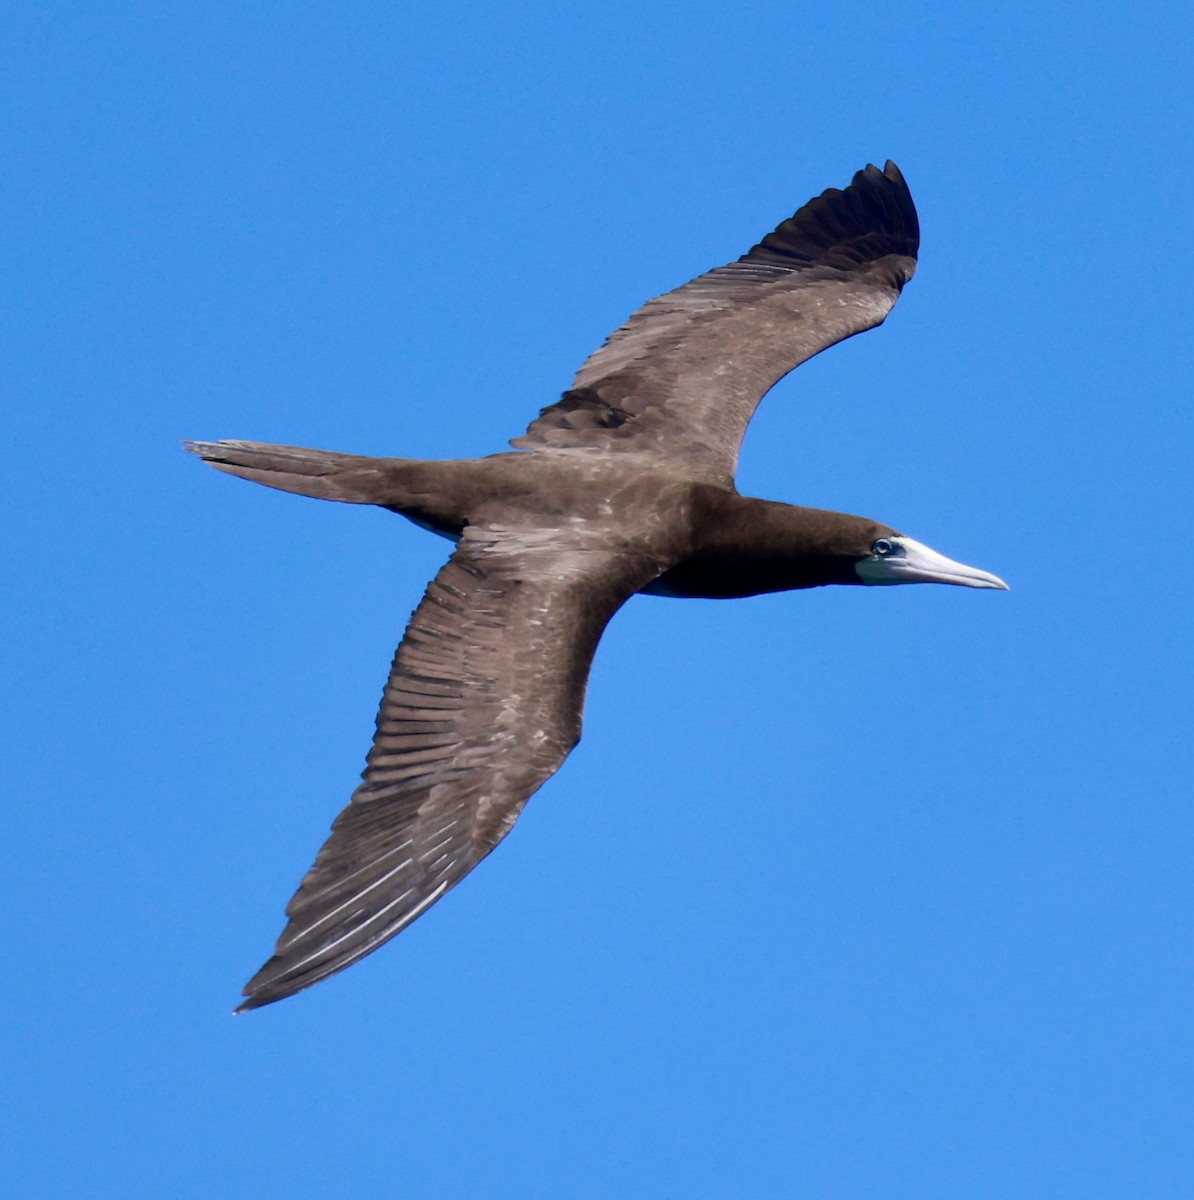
(324,474)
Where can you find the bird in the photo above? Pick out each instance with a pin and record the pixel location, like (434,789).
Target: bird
(624,486)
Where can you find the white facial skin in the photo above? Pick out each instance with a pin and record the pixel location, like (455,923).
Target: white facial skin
(898,559)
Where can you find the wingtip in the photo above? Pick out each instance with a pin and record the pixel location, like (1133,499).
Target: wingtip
(892,191)
(889,172)
(263,988)
(252,1001)
(894,173)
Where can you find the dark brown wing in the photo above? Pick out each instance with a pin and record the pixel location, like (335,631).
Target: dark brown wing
(482,705)
(682,378)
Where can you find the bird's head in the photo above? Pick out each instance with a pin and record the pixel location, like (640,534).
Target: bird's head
(894,558)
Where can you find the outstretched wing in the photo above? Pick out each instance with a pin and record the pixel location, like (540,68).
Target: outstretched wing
(682,378)
(482,705)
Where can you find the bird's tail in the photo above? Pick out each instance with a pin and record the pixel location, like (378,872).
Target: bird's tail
(324,474)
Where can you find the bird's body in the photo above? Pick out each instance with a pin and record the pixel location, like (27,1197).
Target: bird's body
(624,486)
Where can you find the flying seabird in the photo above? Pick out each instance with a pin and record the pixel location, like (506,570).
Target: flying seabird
(624,486)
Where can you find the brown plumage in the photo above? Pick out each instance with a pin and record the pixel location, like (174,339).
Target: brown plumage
(625,485)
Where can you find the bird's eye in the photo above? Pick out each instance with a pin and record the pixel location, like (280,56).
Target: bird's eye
(883,547)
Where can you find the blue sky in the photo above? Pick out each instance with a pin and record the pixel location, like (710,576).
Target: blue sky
(845,894)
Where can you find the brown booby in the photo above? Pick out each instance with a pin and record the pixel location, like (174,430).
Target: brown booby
(625,485)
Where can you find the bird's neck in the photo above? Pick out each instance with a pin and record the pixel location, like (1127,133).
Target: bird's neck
(745,547)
